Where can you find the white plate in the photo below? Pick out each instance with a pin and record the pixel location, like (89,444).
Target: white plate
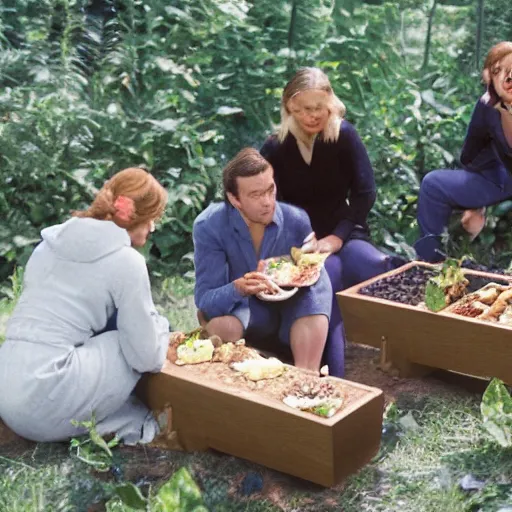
(281,295)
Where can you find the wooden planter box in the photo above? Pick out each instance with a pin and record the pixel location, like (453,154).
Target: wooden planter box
(263,430)
(415,341)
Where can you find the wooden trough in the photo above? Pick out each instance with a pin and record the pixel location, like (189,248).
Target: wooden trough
(416,341)
(251,426)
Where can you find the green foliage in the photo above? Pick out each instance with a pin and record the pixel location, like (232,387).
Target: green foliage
(93,449)
(9,296)
(434,297)
(180,87)
(128,497)
(496,408)
(450,274)
(178,494)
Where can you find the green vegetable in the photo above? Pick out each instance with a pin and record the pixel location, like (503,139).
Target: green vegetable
(322,410)
(434,297)
(191,337)
(451,273)
(496,409)
(180,493)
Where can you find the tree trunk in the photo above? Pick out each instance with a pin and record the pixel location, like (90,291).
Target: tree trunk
(429,35)
(291,28)
(479,31)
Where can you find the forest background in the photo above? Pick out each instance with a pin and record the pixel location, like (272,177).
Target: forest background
(88,88)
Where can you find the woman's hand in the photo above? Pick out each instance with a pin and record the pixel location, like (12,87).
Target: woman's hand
(309,243)
(331,243)
(253,283)
(473,221)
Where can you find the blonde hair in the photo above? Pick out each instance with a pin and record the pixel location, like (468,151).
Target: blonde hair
(306,79)
(496,53)
(149,198)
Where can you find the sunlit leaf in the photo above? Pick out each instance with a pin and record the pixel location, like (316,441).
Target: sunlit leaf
(228,111)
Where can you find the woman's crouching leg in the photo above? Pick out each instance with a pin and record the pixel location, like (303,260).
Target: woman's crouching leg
(102,386)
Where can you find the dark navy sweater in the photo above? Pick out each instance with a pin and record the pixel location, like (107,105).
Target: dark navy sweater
(486,146)
(337,189)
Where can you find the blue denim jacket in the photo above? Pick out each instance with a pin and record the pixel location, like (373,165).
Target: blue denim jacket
(224,251)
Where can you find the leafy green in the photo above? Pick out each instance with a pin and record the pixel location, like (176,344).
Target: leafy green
(130,497)
(322,410)
(93,449)
(496,409)
(434,297)
(191,337)
(178,494)
(451,273)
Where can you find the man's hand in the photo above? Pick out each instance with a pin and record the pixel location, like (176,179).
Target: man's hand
(253,283)
(331,243)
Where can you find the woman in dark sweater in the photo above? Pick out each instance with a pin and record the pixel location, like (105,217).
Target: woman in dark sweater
(322,166)
(486,157)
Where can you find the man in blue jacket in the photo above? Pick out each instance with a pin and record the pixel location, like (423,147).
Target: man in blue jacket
(229,240)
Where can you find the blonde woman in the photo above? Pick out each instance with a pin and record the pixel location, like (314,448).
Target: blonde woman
(60,362)
(486,159)
(322,166)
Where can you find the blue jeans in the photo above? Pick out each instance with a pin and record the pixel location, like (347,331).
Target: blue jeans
(357,261)
(443,191)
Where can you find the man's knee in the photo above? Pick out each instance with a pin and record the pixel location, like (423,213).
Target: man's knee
(310,324)
(228,328)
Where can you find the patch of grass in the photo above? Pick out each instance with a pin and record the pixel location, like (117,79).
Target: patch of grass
(420,473)
(10,295)
(418,470)
(174,299)
(423,471)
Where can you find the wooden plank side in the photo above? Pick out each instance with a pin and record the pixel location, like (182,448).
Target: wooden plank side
(231,424)
(441,341)
(362,429)
(249,426)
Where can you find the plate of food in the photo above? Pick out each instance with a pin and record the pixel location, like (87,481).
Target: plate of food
(297,270)
(278,294)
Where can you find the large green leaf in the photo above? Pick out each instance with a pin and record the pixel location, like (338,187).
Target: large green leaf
(180,493)
(496,408)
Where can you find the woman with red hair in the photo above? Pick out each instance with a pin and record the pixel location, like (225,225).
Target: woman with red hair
(486,157)
(60,362)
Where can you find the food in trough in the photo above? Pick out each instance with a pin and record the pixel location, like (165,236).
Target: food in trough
(488,303)
(236,364)
(317,396)
(259,369)
(194,352)
(447,287)
(234,353)
(499,306)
